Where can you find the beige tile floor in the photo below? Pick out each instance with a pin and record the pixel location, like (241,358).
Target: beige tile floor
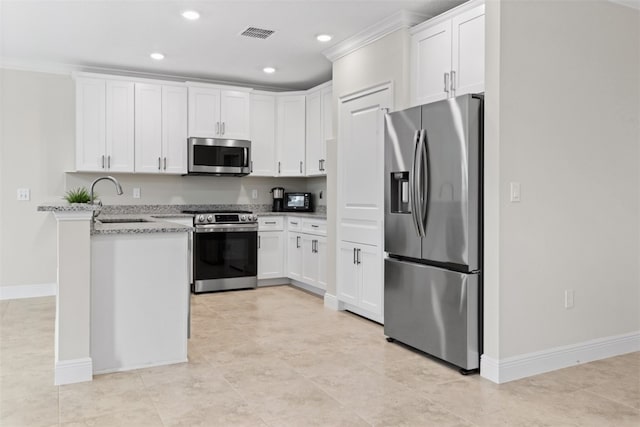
(276,357)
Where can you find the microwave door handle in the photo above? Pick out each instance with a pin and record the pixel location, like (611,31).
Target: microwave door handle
(246,157)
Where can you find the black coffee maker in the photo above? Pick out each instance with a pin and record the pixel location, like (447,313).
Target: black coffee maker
(278,199)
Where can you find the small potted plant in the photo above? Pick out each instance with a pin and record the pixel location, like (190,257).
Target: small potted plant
(78,195)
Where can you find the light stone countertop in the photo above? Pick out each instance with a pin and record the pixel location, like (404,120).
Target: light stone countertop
(151,224)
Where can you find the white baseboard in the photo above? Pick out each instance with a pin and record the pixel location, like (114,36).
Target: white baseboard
(28,291)
(73,371)
(273,282)
(308,288)
(140,366)
(526,365)
(331,301)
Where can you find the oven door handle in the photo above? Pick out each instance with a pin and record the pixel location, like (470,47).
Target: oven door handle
(225,228)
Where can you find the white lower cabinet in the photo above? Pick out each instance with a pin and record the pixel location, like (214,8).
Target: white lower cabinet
(360,284)
(294,256)
(307,259)
(271,247)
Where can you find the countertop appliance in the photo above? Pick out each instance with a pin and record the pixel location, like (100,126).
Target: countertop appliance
(278,199)
(224,250)
(298,202)
(433,229)
(219,157)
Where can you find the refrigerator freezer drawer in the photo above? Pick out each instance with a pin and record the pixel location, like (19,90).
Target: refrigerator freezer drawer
(434,310)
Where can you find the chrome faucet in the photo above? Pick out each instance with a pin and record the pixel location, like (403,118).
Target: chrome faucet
(110,178)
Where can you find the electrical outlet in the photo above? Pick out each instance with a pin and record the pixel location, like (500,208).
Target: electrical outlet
(254,194)
(515,191)
(136,193)
(568,298)
(24,194)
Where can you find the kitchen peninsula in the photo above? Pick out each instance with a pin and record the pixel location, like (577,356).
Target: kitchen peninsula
(123,292)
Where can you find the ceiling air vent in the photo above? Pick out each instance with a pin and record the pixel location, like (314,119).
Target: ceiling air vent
(257,33)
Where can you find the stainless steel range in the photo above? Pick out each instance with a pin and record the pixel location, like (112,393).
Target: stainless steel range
(224,250)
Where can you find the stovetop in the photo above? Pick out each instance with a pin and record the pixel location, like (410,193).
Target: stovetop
(214,211)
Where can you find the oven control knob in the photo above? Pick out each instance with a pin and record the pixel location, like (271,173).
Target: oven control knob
(210,218)
(201,218)
(243,218)
(255,217)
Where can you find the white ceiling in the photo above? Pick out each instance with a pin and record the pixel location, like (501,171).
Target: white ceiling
(118,36)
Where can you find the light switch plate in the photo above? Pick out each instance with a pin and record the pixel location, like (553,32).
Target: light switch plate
(136,193)
(24,194)
(254,194)
(515,192)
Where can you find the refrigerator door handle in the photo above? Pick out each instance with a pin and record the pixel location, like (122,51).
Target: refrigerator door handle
(412,184)
(420,196)
(423,191)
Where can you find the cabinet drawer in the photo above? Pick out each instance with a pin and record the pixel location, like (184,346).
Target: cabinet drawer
(294,224)
(314,226)
(273,223)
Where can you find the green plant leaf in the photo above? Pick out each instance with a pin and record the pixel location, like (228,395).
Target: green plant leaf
(78,195)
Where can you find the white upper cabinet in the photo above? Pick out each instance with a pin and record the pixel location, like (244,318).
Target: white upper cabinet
(263,135)
(447,54)
(161,128)
(319,129)
(290,135)
(219,113)
(104,125)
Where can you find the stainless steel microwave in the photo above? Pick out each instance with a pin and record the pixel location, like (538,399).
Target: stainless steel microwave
(212,156)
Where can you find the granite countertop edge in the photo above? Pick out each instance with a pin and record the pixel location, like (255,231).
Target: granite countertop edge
(153,224)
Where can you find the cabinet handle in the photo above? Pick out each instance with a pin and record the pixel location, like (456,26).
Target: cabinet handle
(358,256)
(453,82)
(270,222)
(108,162)
(293,223)
(159,163)
(319,165)
(103,161)
(165,163)
(314,246)
(354,255)
(322,165)
(278,167)
(314,226)
(446,82)
(300,167)
(251,168)
(223,126)
(217,128)
(258,242)
(297,242)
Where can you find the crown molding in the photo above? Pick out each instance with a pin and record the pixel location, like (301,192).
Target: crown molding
(399,20)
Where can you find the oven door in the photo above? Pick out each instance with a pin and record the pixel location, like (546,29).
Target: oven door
(219,156)
(225,256)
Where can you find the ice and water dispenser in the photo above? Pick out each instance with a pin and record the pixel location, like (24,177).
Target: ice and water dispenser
(400,192)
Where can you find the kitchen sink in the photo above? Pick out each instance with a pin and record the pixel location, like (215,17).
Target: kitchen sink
(121,220)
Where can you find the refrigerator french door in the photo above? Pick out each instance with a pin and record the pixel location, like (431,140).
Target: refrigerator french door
(433,227)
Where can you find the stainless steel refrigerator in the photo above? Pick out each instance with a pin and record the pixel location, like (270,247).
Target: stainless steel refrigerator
(433,229)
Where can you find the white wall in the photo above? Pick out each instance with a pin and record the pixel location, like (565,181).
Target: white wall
(37,146)
(384,60)
(566,126)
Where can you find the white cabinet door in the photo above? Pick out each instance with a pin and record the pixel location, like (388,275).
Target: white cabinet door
(348,280)
(235,107)
(468,51)
(371,284)
(174,129)
(263,135)
(90,124)
(204,112)
(148,133)
(294,256)
(360,177)
(314,139)
(321,253)
(119,126)
(270,254)
(431,63)
(309,260)
(290,133)
(327,114)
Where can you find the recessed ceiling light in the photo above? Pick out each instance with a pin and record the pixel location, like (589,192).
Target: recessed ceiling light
(269,70)
(157,56)
(323,37)
(191,15)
